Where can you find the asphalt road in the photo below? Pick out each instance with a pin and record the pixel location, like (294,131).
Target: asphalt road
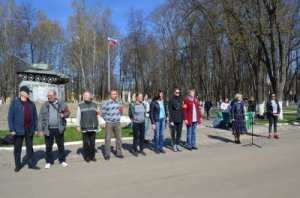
(217,169)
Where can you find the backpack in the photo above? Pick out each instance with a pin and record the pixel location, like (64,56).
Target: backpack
(7,140)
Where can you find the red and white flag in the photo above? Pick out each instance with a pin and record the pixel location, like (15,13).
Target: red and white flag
(111,41)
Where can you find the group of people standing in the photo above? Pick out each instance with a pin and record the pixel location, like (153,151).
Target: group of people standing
(174,113)
(158,114)
(236,109)
(24,122)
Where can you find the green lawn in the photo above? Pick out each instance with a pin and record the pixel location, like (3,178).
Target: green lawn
(292,108)
(287,118)
(71,135)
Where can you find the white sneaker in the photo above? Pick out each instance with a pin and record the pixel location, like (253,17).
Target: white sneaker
(64,164)
(174,148)
(47,166)
(178,148)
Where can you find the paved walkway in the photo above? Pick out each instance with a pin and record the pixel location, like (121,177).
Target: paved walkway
(219,168)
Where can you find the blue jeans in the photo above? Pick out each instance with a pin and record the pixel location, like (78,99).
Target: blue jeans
(191,135)
(159,134)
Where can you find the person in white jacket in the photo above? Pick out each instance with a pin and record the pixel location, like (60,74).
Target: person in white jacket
(225,107)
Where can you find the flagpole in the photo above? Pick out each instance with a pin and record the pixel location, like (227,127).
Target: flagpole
(108,69)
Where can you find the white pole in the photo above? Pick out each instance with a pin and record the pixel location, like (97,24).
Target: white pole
(108,65)
(94,62)
(281,112)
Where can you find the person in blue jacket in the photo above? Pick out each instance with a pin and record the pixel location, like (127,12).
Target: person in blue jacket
(22,121)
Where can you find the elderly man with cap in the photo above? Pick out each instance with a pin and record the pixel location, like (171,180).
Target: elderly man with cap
(22,121)
(52,123)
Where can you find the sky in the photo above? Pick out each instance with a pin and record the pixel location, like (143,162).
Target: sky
(59,10)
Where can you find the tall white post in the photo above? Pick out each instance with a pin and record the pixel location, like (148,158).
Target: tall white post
(108,70)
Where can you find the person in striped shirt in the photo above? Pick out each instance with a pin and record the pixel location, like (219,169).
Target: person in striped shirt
(111,112)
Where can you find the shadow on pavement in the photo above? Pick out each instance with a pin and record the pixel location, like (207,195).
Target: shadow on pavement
(255,135)
(40,155)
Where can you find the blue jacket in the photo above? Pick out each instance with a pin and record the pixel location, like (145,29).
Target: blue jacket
(16,117)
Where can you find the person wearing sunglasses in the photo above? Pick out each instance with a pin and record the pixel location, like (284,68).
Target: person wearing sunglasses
(273,112)
(176,118)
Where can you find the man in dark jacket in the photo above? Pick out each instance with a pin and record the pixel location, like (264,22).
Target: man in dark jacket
(252,105)
(22,121)
(87,122)
(208,105)
(52,124)
(252,108)
(176,117)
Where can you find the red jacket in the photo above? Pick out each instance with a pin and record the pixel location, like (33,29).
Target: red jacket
(188,110)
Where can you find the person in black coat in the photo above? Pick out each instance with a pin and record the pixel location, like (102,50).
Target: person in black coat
(208,105)
(176,117)
(252,107)
(273,112)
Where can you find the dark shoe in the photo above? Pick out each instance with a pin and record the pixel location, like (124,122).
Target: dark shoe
(189,148)
(269,137)
(107,157)
(87,160)
(120,156)
(194,148)
(276,136)
(93,159)
(135,153)
(162,151)
(238,142)
(157,152)
(18,168)
(143,153)
(34,167)
(146,142)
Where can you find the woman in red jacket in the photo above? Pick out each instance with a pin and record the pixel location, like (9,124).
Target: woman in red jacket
(192,115)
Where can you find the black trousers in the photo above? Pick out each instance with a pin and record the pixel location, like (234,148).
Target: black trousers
(224,123)
(176,132)
(272,122)
(18,148)
(207,112)
(89,139)
(49,140)
(138,135)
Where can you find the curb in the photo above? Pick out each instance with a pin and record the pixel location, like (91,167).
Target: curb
(43,146)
